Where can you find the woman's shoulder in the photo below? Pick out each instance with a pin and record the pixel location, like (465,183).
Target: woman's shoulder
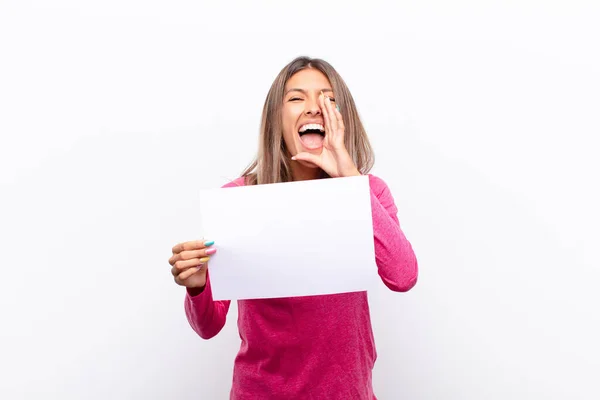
(377,184)
(241,181)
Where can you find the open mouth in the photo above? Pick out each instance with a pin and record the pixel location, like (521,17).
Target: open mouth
(312,135)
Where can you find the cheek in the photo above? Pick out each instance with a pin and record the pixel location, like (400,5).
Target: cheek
(289,119)
(289,141)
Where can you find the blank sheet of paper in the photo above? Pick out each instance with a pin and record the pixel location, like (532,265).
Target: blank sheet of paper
(290,239)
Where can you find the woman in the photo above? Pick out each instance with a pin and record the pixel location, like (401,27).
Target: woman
(316,347)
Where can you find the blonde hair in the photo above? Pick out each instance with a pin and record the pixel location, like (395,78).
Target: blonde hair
(271,164)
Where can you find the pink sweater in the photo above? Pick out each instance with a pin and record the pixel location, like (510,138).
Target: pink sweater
(317,347)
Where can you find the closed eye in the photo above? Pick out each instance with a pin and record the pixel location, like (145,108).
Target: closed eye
(298,98)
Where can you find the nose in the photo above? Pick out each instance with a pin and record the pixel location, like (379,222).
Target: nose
(312,107)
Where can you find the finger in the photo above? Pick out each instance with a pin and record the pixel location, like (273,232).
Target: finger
(180,279)
(189,272)
(193,245)
(339,117)
(326,116)
(311,158)
(185,264)
(188,255)
(331,115)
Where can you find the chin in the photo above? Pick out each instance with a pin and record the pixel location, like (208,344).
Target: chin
(308,164)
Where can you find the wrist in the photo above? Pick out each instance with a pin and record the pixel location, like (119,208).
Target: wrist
(352,172)
(348,166)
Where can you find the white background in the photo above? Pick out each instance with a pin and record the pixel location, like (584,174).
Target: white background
(485,121)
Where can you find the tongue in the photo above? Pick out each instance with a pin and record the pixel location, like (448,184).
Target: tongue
(312,140)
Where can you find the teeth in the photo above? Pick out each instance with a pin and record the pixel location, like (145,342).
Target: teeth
(312,126)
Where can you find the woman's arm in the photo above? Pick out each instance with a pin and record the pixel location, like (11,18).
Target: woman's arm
(396,260)
(206,316)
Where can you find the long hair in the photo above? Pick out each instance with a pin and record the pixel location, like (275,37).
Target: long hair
(271,164)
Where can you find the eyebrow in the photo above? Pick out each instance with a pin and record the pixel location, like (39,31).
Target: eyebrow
(304,91)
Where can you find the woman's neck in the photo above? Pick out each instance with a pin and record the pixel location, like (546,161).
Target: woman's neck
(302,173)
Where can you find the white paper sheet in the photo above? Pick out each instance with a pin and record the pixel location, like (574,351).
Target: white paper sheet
(290,239)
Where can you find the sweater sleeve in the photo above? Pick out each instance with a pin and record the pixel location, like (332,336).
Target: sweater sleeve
(396,261)
(206,316)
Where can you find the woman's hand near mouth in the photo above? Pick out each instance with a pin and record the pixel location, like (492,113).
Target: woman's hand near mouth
(334,158)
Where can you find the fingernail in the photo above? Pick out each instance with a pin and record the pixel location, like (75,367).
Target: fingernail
(294,158)
(204,260)
(209,243)
(338,108)
(210,251)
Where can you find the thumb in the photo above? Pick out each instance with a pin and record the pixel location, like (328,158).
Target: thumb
(311,158)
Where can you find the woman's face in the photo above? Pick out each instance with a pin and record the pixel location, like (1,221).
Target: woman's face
(303,126)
